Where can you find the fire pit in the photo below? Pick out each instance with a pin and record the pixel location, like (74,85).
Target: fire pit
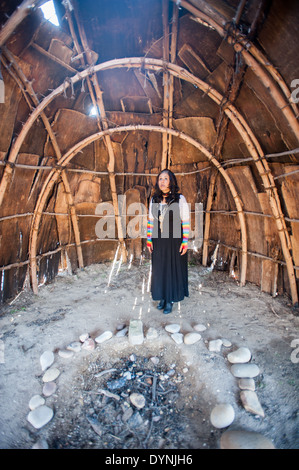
(133,403)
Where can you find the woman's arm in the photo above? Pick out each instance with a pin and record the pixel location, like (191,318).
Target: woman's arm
(185,218)
(150,226)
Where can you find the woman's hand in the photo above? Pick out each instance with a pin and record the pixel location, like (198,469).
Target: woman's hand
(150,248)
(183,249)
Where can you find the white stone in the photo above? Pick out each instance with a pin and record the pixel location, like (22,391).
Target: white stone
(215,345)
(46,359)
(36,401)
(177,337)
(246,384)
(136,332)
(251,403)
(152,333)
(240,356)
(200,327)
(51,374)
(245,370)
(226,343)
(83,337)
(222,415)
(75,347)
(137,400)
(49,388)
(244,440)
(65,353)
(104,337)
(191,338)
(122,333)
(88,344)
(155,360)
(40,416)
(172,328)
(40,444)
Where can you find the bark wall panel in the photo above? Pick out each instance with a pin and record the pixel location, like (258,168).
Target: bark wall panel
(71,127)
(279,38)
(193,102)
(17,199)
(224,228)
(233,146)
(117,84)
(204,41)
(201,129)
(245,185)
(95,252)
(35,139)
(64,226)
(11,282)
(8,111)
(87,225)
(266,119)
(101,155)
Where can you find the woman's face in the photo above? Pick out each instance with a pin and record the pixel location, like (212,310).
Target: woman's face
(163,182)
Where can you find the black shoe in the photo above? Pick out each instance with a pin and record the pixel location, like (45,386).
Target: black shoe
(168,307)
(161,305)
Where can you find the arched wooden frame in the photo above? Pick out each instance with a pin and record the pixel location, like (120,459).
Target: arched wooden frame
(68,156)
(234,115)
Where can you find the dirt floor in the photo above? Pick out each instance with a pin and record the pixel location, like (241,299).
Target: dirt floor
(180,387)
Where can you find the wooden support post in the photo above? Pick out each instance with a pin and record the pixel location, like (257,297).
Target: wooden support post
(173,50)
(166,84)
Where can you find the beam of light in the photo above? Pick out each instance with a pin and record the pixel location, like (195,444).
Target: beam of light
(49,12)
(113,264)
(43,281)
(180,312)
(140,313)
(135,303)
(142,289)
(149,279)
(130,262)
(2,280)
(119,264)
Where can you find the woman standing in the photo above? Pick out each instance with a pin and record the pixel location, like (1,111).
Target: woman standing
(167,241)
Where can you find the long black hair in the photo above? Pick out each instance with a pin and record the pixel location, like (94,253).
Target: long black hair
(174,193)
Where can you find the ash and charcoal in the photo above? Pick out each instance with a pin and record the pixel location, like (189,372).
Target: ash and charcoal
(129,405)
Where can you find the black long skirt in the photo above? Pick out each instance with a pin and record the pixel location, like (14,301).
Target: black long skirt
(169,269)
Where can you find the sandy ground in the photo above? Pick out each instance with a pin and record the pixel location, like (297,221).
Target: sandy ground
(84,302)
